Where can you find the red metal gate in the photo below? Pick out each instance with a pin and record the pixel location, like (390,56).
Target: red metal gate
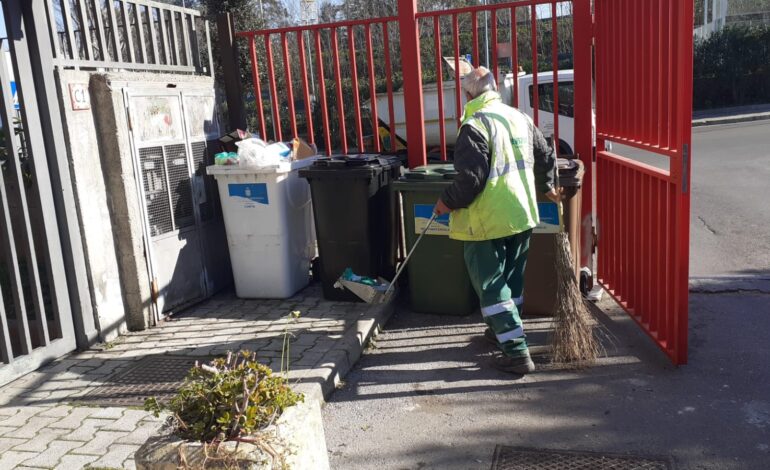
(643,79)
(643,56)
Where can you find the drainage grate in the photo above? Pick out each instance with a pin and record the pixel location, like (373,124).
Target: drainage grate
(152,376)
(513,458)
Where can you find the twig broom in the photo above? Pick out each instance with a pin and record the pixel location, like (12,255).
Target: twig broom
(573,341)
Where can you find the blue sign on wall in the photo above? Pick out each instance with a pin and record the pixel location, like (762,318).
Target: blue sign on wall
(256,192)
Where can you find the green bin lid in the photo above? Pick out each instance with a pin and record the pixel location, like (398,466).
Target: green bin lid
(440,172)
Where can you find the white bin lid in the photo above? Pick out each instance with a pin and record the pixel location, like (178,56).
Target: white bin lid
(283,167)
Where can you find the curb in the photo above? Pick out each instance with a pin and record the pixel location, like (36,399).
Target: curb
(714,121)
(338,361)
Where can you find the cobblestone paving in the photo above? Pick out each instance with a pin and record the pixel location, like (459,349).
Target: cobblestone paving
(42,426)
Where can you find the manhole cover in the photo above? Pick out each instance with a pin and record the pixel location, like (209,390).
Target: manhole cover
(152,376)
(512,458)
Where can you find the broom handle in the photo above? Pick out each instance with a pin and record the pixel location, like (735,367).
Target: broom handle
(409,255)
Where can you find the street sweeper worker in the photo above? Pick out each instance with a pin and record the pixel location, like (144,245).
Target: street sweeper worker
(502,161)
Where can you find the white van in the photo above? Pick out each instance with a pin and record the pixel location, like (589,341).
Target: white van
(545,103)
(526,98)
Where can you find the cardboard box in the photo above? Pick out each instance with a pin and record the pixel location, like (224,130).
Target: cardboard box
(300,150)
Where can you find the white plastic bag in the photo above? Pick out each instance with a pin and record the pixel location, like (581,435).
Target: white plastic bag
(251,153)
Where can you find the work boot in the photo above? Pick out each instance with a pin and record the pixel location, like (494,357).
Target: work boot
(517,365)
(490,336)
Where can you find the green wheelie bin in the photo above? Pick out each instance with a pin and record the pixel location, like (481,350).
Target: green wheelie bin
(438,278)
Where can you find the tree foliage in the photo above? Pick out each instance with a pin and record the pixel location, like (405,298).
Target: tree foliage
(732,68)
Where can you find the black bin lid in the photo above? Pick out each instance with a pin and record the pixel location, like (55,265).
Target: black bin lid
(352,165)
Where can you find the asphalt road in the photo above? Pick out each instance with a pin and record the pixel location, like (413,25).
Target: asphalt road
(730,224)
(730,216)
(425,397)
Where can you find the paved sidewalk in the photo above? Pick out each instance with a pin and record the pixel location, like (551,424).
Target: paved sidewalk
(710,117)
(43,426)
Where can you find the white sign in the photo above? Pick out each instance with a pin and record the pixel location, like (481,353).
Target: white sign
(79,96)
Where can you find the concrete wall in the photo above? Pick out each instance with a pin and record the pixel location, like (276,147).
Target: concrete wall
(108,198)
(93,210)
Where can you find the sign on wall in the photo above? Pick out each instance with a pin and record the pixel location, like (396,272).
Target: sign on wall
(79,96)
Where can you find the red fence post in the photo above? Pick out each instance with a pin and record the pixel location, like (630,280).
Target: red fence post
(409,39)
(582,46)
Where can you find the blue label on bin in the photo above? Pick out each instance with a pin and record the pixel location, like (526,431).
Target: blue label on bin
(255,192)
(549,218)
(422,215)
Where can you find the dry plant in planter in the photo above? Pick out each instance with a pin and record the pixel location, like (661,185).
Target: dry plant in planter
(230,399)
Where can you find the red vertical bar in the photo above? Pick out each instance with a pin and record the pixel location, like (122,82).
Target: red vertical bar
(273,89)
(664,65)
(535,92)
(613,200)
(667,325)
(354,79)
(475,26)
(650,53)
(627,211)
(257,87)
(495,66)
(672,283)
(621,29)
(322,92)
(599,50)
(636,86)
(658,244)
(644,249)
(684,118)
(305,87)
(671,78)
(583,39)
(598,204)
(389,84)
(658,90)
(612,75)
(409,38)
(632,217)
(372,88)
(439,86)
(289,87)
(626,59)
(649,250)
(515,58)
(338,80)
(555,62)
(458,98)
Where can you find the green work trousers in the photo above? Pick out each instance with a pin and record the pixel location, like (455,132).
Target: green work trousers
(496,269)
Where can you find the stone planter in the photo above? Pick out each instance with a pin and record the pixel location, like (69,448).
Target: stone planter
(297,438)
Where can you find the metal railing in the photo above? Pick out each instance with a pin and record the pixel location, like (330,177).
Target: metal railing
(318,60)
(322,70)
(134,35)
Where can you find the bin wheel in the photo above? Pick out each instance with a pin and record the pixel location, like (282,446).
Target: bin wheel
(586,281)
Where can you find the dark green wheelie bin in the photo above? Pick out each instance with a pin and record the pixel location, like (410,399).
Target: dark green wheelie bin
(438,278)
(355,217)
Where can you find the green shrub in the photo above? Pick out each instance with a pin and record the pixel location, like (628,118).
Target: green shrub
(732,68)
(227,399)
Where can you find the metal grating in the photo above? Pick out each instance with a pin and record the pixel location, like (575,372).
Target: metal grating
(513,458)
(180,185)
(152,376)
(155,190)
